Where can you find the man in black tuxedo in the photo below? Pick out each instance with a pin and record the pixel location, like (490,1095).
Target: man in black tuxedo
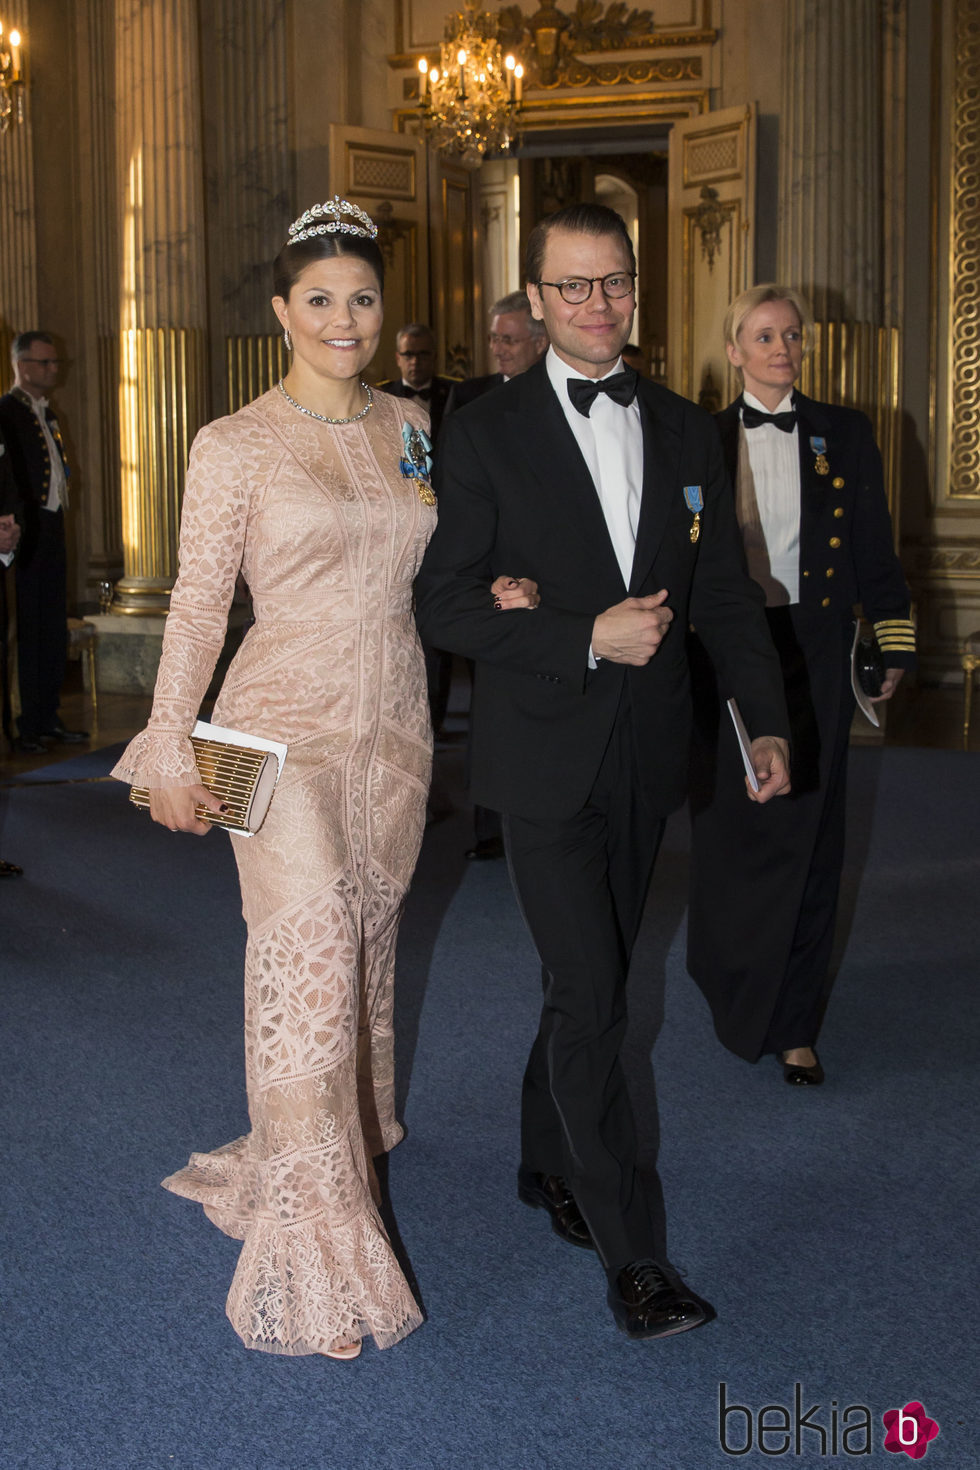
(611,493)
(37,457)
(10,514)
(415,354)
(516,339)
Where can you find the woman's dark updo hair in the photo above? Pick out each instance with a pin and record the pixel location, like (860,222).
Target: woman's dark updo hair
(292,260)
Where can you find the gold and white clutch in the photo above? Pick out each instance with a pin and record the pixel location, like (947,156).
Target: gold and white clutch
(241,770)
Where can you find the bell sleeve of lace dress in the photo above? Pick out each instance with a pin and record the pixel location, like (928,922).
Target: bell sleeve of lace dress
(212,540)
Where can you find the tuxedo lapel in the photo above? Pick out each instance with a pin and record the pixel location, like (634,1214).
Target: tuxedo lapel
(811,424)
(661,466)
(553,459)
(728,422)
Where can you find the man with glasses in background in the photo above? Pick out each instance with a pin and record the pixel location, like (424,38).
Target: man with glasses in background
(415,354)
(37,459)
(516,340)
(611,493)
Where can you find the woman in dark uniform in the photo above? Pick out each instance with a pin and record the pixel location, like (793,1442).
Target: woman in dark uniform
(814,517)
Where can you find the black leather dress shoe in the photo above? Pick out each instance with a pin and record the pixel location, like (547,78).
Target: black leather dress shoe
(486,849)
(27,745)
(65,737)
(10,870)
(798,1076)
(550,1192)
(646,1303)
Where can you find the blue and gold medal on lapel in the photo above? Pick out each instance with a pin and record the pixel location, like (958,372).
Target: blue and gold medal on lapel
(694,500)
(819,447)
(416,464)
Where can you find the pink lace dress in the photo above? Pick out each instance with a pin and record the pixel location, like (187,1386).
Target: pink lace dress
(329,536)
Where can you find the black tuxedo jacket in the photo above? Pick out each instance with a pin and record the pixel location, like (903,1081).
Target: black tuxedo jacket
(30,462)
(471,389)
(441,389)
(10,496)
(847,552)
(515,496)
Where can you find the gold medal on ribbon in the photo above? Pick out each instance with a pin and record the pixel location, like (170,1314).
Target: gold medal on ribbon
(821,466)
(426,492)
(696,527)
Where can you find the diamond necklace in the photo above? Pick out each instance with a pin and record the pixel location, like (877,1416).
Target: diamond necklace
(322,416)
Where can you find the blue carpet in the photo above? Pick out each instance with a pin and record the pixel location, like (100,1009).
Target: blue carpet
(91,765)
(834,1230)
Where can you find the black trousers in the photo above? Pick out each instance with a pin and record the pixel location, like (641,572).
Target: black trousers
(582,883)
(42,626)
(765,879)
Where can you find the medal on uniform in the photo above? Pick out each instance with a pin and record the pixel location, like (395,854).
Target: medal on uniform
(819,447)
(694,501)
(416,464)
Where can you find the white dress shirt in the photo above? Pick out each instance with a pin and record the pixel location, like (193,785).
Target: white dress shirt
(57,484)
(768,504)
(611,441)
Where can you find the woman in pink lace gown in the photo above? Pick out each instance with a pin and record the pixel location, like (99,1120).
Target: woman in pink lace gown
(302,492)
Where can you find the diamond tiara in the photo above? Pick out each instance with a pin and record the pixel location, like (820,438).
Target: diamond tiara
(325,219)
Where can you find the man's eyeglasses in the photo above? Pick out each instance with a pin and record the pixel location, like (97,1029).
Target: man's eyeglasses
(423,352)
(578,289)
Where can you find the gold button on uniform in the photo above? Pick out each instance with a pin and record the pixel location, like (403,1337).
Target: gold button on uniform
(829,572)
(806,574)
(835,542)
(837,482)
(838,512)
(826,602)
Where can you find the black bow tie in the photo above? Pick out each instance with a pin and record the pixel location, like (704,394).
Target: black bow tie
(621,388)
(424,393)
(754,418)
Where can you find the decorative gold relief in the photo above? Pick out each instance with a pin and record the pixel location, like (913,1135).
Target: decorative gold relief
(711,157)
(578,73)
(964,263)
(552,42)
(709,218)
(954,560)
(372,172)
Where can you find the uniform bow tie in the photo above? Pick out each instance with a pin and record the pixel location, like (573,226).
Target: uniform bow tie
(424,393)
(754,418)
(621,388)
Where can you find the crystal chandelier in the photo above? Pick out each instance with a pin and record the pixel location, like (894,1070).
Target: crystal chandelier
(470,102)
(11,79)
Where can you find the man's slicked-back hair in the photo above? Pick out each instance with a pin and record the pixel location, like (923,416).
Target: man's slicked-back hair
(577,219)
(24,341)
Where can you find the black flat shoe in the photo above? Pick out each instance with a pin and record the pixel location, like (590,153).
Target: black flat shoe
(10,870)
(798,1076)
(646,1303)
(27,745)
(550,1192)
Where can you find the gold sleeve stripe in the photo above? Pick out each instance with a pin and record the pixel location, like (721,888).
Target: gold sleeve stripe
(897,635)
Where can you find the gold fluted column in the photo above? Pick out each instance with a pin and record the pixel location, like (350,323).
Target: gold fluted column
(162,350)
(18,223)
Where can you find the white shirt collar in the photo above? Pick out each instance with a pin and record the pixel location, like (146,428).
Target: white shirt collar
(559,372)
(786,406)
